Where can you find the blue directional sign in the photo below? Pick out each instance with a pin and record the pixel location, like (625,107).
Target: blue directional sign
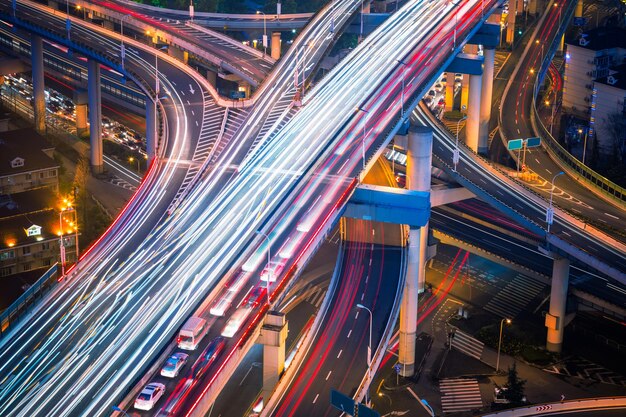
(237,94)
(515,144)
(533,142)
(580,21)
(397,367)
(342,402)
(365,411)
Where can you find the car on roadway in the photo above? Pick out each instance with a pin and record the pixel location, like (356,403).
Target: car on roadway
(174,364)
(149,396)
(255,296)
(272,270)
(208,356)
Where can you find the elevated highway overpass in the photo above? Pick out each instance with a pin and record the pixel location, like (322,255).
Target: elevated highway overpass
(273,173)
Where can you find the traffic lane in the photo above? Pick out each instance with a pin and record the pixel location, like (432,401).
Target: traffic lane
(243,389)
(339,359)
(502,190)
(575,196)
(527,254)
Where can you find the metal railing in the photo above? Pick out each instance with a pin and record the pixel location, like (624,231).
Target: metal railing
(19,306)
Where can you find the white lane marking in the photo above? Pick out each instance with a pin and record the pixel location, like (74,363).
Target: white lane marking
(315,399)
(339,355)
(610,215)
(362,296)
(349,333)
(565,233)
(537,161)
(357,315)
(548,171)
(328,376)
(197,123)
(518,132)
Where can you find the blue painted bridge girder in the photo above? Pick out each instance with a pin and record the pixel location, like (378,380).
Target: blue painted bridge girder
(467,64)
(488,36)
(389,205)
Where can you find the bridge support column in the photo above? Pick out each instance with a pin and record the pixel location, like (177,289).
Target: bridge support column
(245,87)
(465,93)
(510,28)
(532,7)
(151,129)
(80,102)
(211,77)
(39,97)
(561,44)
(418,169)
(272,337)
(95,115)
(579,9)
(450,80)
(276,43)
(555,319)
(485,100)
(473,112)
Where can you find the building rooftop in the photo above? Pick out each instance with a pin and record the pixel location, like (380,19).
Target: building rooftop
(616,77)
(27,202)
(26,229)
(24,150)
(602,38)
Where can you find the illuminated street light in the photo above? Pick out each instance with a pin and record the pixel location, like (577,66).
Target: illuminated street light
(270,269)
(550,210)
(508,321)
(369,356)
(131,160)
(456,155)
(264,33)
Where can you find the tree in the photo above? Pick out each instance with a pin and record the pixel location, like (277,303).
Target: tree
(514,388)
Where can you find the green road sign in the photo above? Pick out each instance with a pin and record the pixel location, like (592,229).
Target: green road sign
(533,142)
(515,144)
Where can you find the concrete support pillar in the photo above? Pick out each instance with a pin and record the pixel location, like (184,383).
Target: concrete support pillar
(39,97)
(107,24)
(95,116)
(211,77)
(276,43)
(473,112)
(510,29)
(485,101)
(579,9)
(449,91)
(555,319)
(80,103)
(272,337)
(151,129)
(464,92)
(418,169)
(561,44)
(532,7)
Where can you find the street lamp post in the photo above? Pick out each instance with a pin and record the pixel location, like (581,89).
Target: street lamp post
(131,160)
(269,257)
(363,137)
(264,33)
(550,210)
(456,155)
(369,355)
(402,94)
(584,142)
(361,32)
(508,321)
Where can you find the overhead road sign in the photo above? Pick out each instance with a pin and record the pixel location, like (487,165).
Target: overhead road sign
(533,142)
(342,402)
(515,144)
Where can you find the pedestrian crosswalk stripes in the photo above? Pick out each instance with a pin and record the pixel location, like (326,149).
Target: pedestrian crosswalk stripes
(466,344)
(514,297)
(315,296)
(460,394)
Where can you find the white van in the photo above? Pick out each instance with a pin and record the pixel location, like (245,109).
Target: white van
(192,332)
